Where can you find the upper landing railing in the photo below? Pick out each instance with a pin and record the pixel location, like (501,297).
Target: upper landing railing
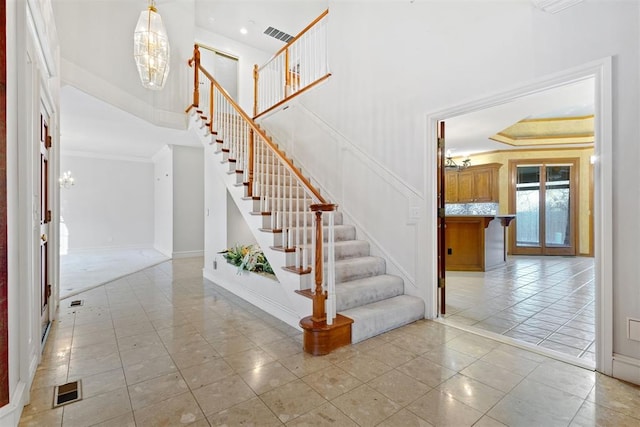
(297,67)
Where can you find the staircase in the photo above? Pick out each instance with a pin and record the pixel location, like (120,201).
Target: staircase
(313,252)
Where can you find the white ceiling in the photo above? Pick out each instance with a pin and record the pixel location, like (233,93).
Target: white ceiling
(469,133)
(89,125)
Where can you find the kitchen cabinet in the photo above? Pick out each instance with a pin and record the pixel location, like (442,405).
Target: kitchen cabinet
(475,184)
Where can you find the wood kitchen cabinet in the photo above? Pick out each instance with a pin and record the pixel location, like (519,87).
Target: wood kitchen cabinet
(475,184)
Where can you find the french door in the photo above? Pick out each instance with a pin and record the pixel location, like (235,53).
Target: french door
(544,198)
(44,144)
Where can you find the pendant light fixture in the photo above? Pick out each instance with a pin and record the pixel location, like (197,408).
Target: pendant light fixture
(151,48)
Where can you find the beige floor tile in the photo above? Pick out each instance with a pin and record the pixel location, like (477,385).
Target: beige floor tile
(331,382)
(148,369)
(50,377)
(94,365)
(515,412)
(404,418)
(572,379)
(133,342)
(51,418)
(471,392)
(617,395)
(101,383)
(366,406)
(91,339)
(156,390)
(487,421)
(252,412)
(267,377)
(206,373)
(510,362)
(232,345)
(538,401)
(440,409)
(399,387)
(303,364)
(473,345)
(292,400)
(175,411)
(196,355)
(392,355)
(97,408)
(591,414)
(326,415)
(283,348)
(492,375)
(249,359)
(125,420)
(364,367)
(426,371)
(141,354)
(223,394)
(449,358)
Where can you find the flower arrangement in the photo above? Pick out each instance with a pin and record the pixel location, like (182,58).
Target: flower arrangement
(247,257)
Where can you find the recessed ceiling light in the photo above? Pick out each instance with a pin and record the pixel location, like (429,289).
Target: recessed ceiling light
(243,30)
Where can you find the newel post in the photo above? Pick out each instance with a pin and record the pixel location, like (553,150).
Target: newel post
(256,75)
(319,297)
(195,62)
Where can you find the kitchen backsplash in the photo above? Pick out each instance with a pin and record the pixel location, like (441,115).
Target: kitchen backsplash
(471,208)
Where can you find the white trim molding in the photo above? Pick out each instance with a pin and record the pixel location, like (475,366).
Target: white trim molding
(626,368)
(554,6)
(601,72)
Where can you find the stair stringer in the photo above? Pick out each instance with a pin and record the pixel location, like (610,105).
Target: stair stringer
(297,306)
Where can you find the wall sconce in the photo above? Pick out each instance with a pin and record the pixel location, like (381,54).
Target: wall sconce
(66,180)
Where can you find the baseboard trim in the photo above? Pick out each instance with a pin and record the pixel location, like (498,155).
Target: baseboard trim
(626,368)
(187,254)
(10,414)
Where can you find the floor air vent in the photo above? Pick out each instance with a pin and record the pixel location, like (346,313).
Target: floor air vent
(76,303)
(67,393)
(280,35)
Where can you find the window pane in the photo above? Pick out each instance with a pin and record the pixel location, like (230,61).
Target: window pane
(528,206)
(557,203)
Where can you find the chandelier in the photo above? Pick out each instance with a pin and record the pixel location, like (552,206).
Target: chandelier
(151,48)
(449,163)
(66,180)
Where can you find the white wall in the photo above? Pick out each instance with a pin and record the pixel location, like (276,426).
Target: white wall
(111,203)
(27,82)
(247,58)
(370,121)
(163,201)
(238,232)
(92,43)
(188,201)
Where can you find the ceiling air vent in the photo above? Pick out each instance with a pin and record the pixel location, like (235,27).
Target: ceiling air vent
(280,35)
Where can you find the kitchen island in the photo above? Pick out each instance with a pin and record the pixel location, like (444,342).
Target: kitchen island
(476,242)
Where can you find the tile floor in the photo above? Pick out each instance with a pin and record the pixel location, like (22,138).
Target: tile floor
(84,269)
(545,301)
(163,347)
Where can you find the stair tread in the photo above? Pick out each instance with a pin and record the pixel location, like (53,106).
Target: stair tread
(367,290)
(376,318)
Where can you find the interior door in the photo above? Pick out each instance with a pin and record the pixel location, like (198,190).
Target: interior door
(441,220)
(44,145)
(544,198)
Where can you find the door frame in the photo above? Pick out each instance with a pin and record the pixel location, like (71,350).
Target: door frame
(601,71)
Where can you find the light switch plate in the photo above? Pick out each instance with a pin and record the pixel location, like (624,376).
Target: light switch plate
(633,329)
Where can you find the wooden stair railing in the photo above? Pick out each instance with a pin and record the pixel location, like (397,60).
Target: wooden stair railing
(283,195)
(297,67)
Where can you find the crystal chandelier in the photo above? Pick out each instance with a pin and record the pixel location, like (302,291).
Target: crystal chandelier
(151,48)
